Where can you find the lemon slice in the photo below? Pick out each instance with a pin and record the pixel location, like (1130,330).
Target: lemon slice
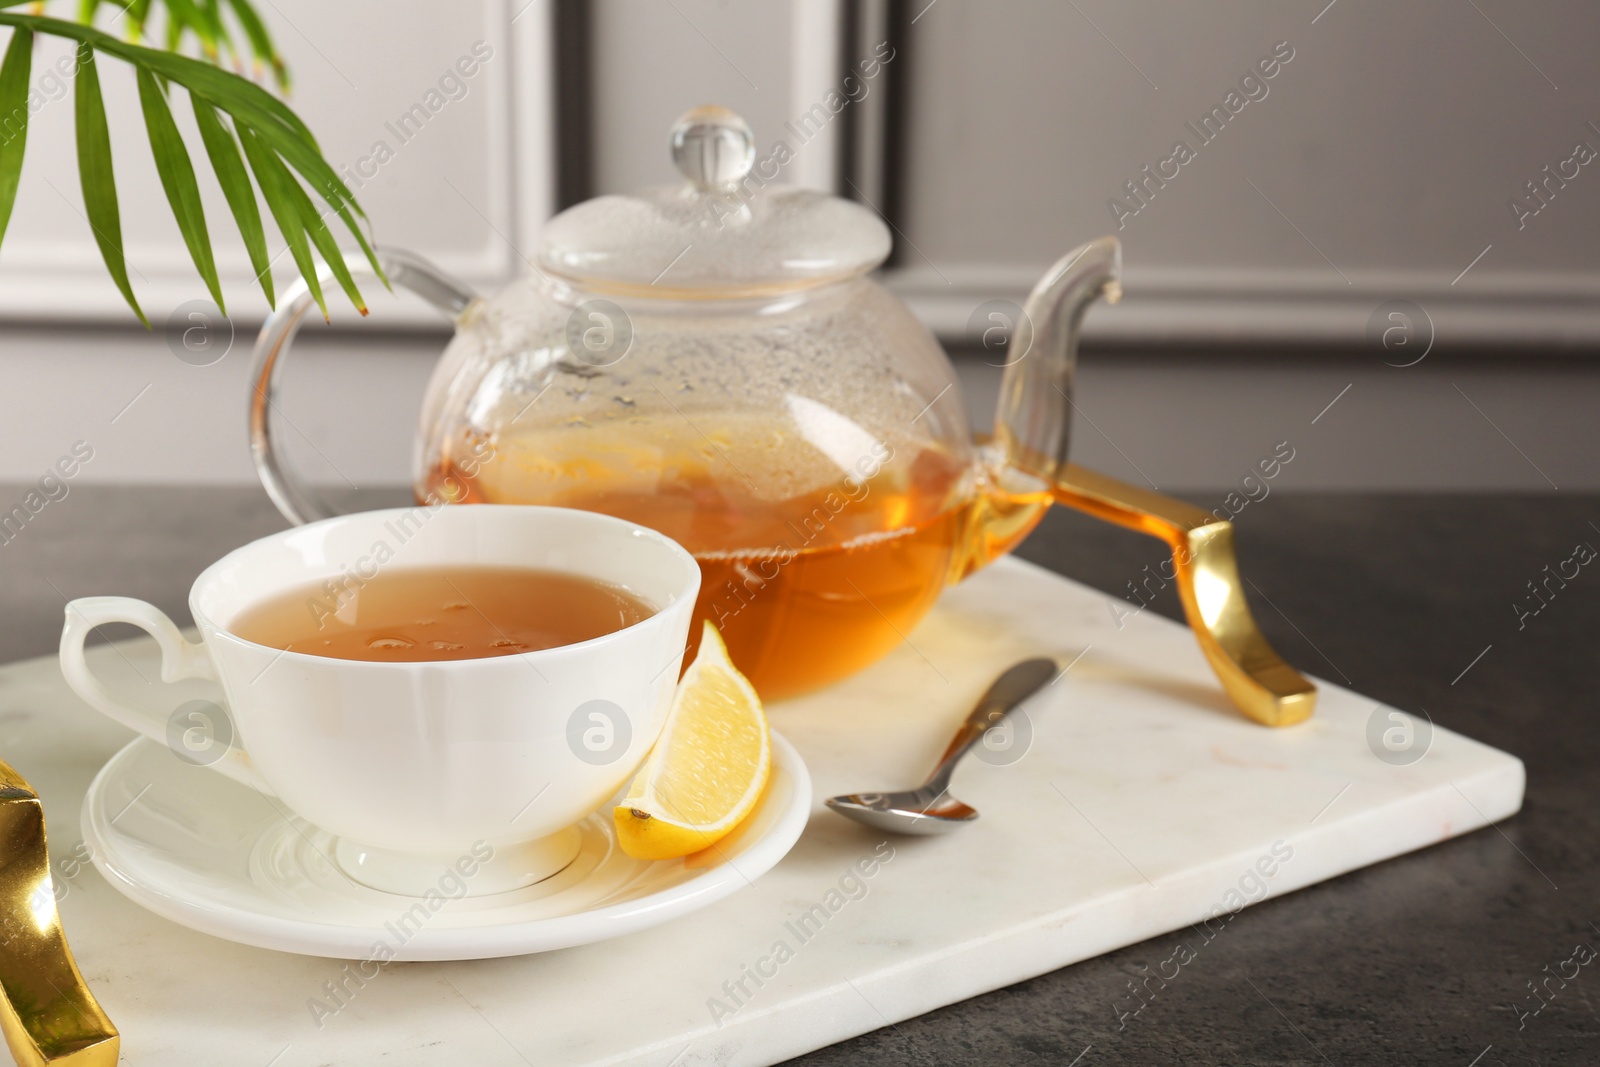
(708,768)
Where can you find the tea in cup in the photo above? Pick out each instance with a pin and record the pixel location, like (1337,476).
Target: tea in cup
(426,683)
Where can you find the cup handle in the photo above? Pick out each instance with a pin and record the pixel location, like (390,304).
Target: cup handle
(180,659)
(404,270)
(1206,570)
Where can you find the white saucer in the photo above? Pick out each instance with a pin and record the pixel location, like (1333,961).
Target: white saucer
(221,858)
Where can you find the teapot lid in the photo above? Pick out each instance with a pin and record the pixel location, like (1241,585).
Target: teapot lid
(728,231)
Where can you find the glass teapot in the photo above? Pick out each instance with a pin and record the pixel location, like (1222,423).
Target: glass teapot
(713,360)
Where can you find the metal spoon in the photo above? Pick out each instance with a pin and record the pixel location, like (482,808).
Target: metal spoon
(930,809)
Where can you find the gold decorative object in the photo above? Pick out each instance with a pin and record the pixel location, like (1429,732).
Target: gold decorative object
(1206,570)
(47,1012)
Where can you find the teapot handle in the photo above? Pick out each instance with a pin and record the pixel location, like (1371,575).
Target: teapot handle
(405,270)
(1206,570)
(1033,423)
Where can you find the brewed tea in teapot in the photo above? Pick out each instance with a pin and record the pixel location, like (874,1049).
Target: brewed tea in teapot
(713,359)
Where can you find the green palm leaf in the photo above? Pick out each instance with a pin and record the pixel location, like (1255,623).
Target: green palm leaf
(275,179)
(13,109)
(261,46)
(235,182)
(185,15)
(94,172)
(135,15)
(177,178)
(318,229)
(281,151)
(279,127)
(211,12)
(230,90)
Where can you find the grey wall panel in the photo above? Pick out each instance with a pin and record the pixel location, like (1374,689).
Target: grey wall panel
(1378,163)
(653,60)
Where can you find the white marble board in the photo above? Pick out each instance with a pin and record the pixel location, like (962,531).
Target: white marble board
(1142,804)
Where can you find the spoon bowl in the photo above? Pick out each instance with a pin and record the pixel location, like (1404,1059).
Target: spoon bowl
(930,809)
(910,811)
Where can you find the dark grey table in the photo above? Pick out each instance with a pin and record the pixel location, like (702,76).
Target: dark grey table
(1428,959)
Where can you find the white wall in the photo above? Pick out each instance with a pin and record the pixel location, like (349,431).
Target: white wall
(1389,144)
(470,188)
(457,188)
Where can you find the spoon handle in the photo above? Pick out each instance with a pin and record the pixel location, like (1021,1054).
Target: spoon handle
(1017,684)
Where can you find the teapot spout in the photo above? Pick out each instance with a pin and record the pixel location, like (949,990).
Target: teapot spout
(1033,427)
(1033,420)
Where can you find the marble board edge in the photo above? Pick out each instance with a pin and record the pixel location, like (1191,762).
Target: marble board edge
(859,1004)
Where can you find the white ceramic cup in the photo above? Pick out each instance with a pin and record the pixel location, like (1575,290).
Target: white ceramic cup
(415,765)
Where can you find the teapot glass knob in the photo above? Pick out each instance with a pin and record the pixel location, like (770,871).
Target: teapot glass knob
(713,147)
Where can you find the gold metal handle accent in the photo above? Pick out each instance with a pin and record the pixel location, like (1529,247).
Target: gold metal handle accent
(1206,569)
(47,1013)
